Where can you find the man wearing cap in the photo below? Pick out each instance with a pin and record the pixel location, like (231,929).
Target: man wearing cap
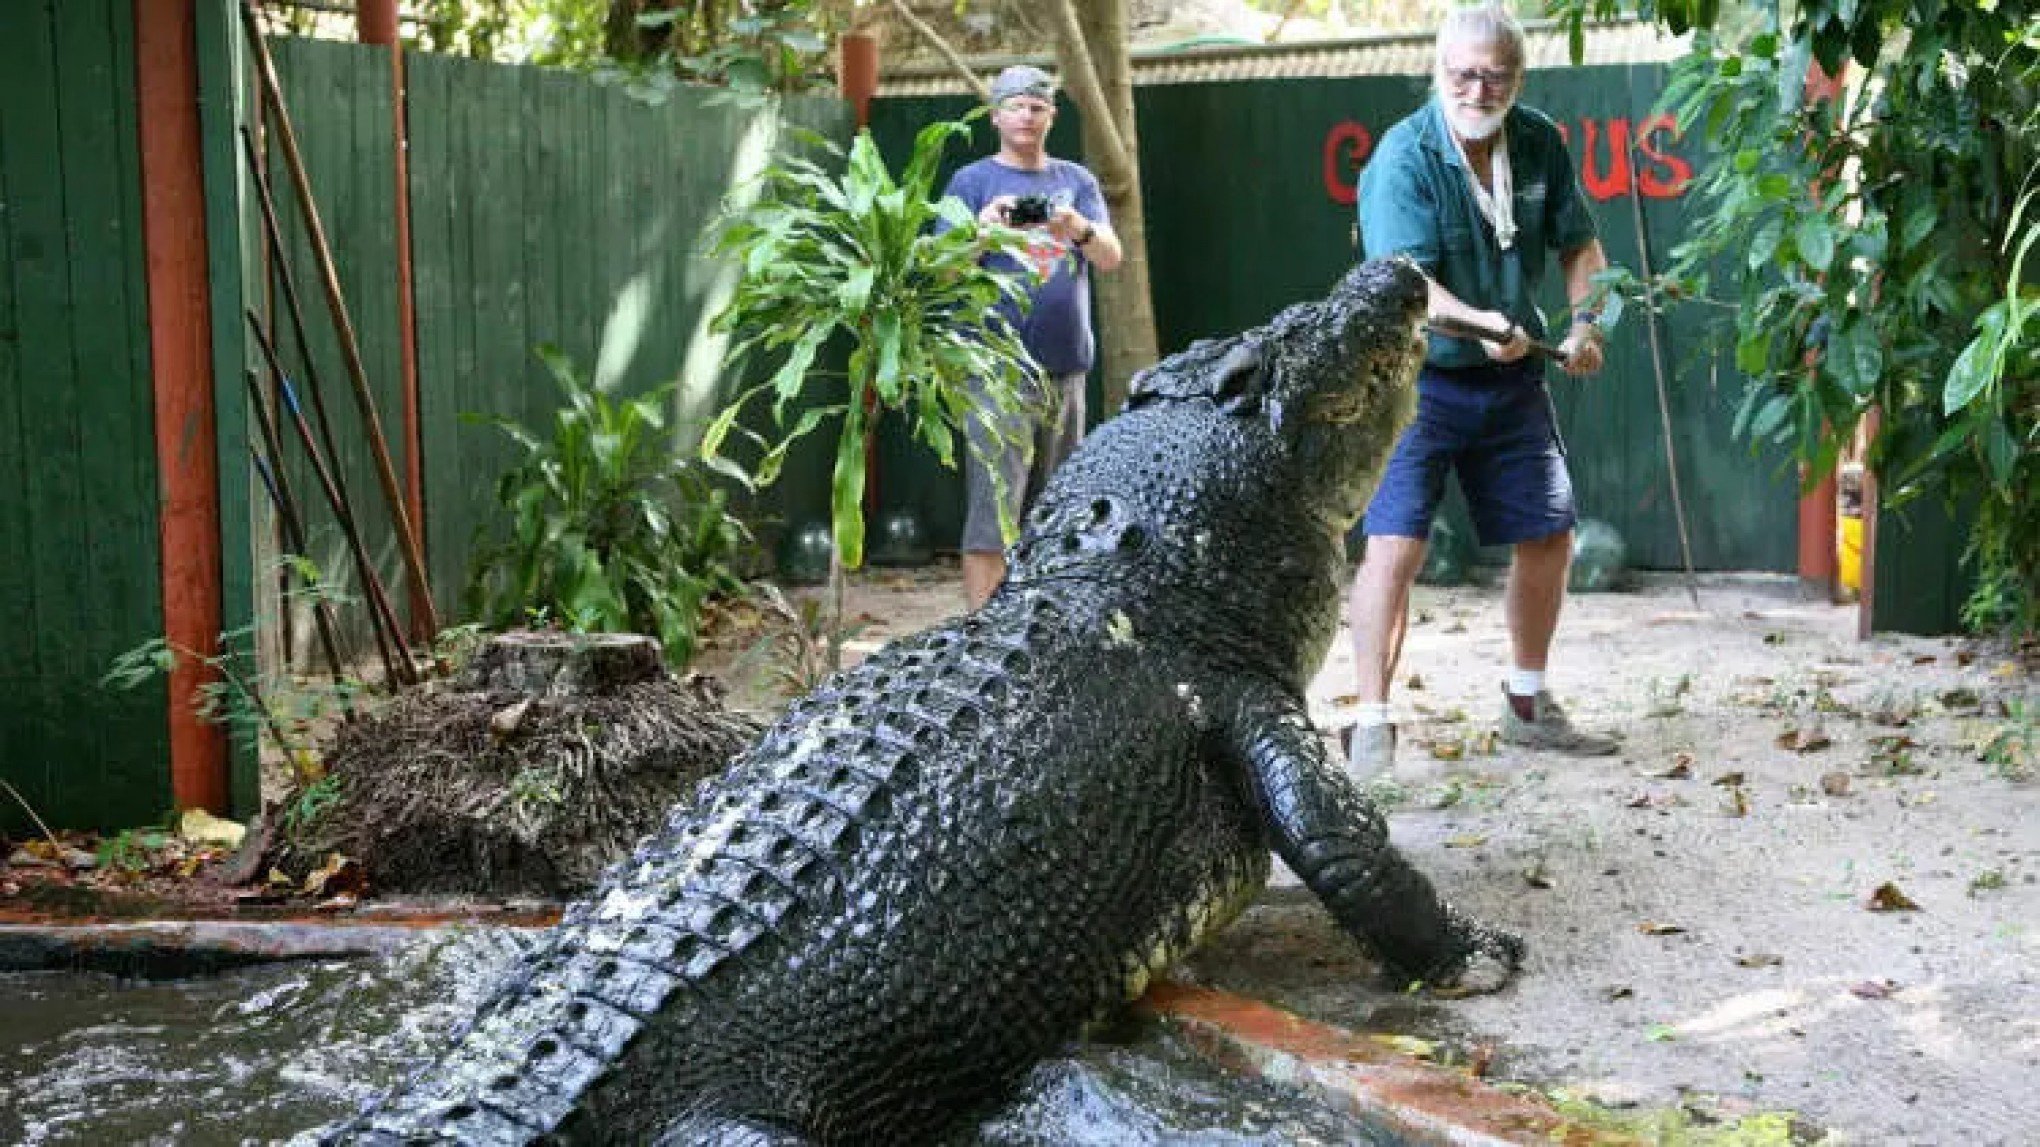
(1072,234)
(1480,192)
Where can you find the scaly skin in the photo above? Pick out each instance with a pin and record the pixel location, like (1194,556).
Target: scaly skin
(944,863)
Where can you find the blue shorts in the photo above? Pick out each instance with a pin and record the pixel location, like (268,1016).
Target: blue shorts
(1494,426)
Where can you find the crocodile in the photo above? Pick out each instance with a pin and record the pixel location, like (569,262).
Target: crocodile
(945,862)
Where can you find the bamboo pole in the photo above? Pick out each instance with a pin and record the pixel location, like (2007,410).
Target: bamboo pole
(400,518)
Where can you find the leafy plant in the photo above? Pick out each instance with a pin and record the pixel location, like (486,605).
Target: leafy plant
(236,697)
(609,529)
(310,803)
(793,655)
(1876,248)
(898,277)
(2012,749)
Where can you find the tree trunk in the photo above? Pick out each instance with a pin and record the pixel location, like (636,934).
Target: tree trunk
(1126,314)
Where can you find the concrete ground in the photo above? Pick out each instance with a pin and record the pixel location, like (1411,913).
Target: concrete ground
(1807,884)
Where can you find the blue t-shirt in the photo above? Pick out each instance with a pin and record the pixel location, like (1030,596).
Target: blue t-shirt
(1415,200)
(1057,329)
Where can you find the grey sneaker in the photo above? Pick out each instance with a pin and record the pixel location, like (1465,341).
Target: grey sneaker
(1550,729)
(1370,750)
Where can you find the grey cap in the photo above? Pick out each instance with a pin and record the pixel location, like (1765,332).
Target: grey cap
(1023,80)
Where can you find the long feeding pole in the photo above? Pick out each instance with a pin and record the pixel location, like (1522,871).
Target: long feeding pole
(1657,367)
(384,620)
(269,463)
(400,519)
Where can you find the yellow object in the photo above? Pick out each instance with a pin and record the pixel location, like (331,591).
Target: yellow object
(1850,552)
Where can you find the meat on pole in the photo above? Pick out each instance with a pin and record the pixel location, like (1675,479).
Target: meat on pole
(350,350)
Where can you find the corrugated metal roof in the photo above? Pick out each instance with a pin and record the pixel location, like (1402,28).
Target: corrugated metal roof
(1405,54)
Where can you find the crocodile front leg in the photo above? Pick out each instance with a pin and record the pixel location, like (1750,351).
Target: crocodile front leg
(1337,841)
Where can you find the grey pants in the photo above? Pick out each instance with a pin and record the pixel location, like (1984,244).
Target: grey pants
(1024,466)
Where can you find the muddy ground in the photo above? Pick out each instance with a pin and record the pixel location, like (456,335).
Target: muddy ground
(1718,917)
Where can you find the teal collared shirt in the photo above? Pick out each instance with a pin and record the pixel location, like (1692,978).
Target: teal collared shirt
(1415,201)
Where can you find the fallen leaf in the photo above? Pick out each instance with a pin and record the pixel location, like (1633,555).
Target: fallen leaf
(1617,992)
(1728,780)
(1873,989)
(1650,928)
(1835,783)
(1468,840)
(1480,1059)
(1447,748)
(1406,1044)
(1924,659)
(1416,681)
(1758,960)
(1735,802)
(1960,699)
(202,827)
(339,876)
(1887,898)
(1536,877)
(1661,1033)
(1964,657)
(1682,768)
(1640,800)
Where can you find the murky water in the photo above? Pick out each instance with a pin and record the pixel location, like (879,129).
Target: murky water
(257,1054)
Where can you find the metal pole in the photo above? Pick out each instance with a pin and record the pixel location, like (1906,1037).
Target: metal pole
(1657,367)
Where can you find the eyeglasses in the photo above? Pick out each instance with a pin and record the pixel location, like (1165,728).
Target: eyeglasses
(1493,79)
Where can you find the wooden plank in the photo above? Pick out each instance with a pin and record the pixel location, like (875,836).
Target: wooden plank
(229,222)
(23,722)
(62,765)
(432,222)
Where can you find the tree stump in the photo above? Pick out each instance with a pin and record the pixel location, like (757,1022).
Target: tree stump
(547,758)
(551,664)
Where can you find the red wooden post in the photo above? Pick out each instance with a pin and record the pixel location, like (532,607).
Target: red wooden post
(180,361)
(376,23)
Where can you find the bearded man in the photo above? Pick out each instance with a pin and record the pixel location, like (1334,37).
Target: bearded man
(1478,190)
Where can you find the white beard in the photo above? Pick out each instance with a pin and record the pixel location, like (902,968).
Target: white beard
(1473,125)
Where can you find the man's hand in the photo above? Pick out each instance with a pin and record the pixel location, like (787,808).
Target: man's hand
(1582,351)
(1068,226)
(993,213)
(1517,344)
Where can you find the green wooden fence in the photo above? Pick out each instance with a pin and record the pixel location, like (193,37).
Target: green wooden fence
(81,576)
(1247,187)
(546,209)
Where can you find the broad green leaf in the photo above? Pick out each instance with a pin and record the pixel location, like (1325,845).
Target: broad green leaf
(1764,244)
(1815,239)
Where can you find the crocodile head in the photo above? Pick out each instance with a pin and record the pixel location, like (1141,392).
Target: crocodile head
(1331,379)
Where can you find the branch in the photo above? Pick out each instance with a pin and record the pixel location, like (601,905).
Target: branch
(942,48)
(1081,76)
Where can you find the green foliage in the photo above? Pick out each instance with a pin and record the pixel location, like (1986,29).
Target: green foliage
(234,693)
(898,277)
(129,849)
(1877,249)
(610,527)
(309,804)
(2012,748)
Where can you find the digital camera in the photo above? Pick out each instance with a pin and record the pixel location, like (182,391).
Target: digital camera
(1029,211)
